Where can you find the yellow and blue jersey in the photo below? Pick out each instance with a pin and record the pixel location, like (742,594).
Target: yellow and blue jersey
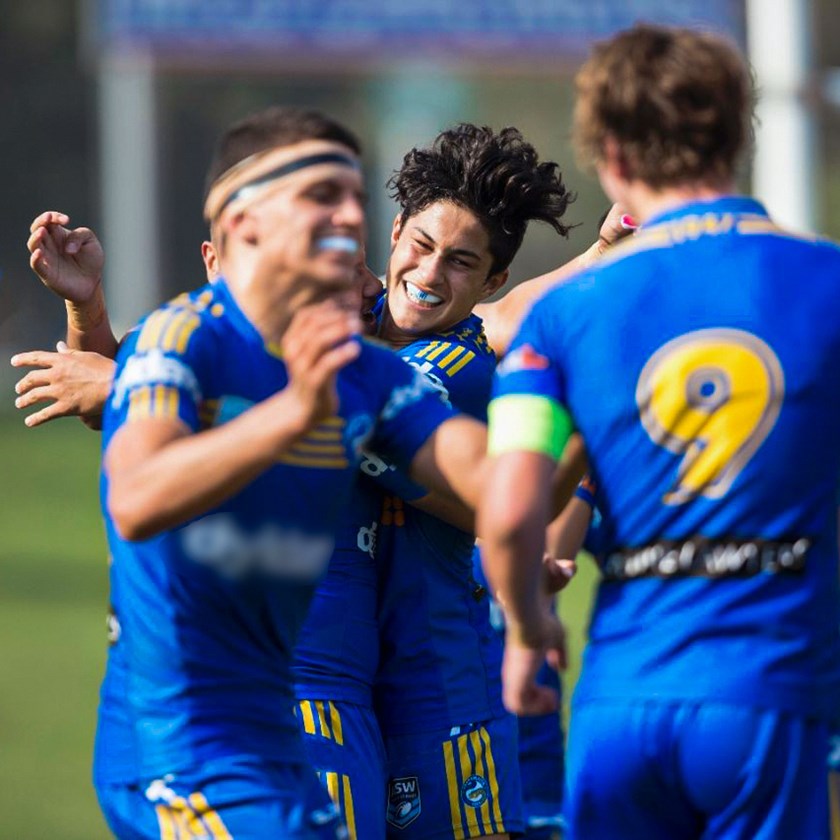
(701,362)
(439,656)
(206,614)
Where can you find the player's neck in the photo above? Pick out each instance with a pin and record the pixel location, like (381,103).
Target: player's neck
(391,334)
(645,203)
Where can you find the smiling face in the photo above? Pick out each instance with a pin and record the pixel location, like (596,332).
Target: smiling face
(438,271)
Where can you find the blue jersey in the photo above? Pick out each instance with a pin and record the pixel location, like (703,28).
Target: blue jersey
(337,653)
(701,362)
(439,656)
(208,612)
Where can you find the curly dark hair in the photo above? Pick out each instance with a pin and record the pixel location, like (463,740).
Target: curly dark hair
(498,177)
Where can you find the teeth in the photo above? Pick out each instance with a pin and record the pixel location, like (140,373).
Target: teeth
(338,243)
(419,296)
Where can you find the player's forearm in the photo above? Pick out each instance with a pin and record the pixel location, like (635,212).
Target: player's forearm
(447,508)
(570,469)
(453,460)
(89,327)
(512,519)
(502,317)
(565,535)
(191,474)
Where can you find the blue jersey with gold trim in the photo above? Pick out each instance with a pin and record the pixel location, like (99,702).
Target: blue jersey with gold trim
(701,362)
(439,656)
(208,612)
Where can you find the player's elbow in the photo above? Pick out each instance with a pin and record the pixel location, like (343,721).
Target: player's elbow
(131,516)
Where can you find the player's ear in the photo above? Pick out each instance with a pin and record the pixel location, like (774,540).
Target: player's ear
(211,259)
(493,283)
(396,229)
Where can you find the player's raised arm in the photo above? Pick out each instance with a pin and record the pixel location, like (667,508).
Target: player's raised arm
(502,317)
(161,474)
(69,262)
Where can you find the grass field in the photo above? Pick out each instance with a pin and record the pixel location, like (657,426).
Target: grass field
(53,595)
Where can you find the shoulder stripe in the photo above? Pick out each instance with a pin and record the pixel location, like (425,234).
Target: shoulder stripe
(461,363)
(450,357)
(442,347)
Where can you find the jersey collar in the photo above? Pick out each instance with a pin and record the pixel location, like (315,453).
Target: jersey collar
(736,204)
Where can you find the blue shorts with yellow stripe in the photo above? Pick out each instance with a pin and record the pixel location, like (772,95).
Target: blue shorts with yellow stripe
(457,783)
(226,800)
(344,745)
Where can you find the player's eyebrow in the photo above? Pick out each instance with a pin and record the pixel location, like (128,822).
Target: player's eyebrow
(461,252)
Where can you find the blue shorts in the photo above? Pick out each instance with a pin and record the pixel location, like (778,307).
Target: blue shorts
(226,800)
(653,770)
(344,745)
(457,783)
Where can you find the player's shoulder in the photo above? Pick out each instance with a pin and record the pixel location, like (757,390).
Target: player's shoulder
(461,351)
(178,323)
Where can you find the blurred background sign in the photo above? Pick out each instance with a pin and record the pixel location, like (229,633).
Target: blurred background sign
(289,31)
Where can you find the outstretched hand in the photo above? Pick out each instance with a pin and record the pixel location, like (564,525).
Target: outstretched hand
(69,262)
(318,343)
(75,383)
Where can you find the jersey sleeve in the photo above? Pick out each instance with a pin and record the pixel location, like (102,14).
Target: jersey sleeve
(160,368)
(411,409)
(528,410)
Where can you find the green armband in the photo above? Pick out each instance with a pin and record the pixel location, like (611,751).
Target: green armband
(528,423)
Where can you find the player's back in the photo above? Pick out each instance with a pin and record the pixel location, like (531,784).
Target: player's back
(702,365)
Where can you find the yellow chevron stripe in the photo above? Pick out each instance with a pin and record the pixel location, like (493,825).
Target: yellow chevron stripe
(430,346)
(467,769)
(139,404)
(335,721)
(325,463)
(331,422)
(450,357)
(332,787)
(210,818)
(169,336)
(186,817)
(322,720)
(481,770)
(189,326)
(442,348)
(462,363)
(349,809)
(150,334)
(166,823)
(304,447)
(308,717)
(323,434)
(454,790)
(493,780)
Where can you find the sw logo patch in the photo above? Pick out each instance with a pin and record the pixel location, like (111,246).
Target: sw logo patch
(403,801)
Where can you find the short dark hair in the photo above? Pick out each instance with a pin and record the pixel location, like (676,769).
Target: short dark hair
(272,127)
(677,102)
(498,177)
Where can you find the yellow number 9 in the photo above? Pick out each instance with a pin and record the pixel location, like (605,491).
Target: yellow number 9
(711,396)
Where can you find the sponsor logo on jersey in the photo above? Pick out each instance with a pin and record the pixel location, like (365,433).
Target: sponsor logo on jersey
(403,801)
(475,791)
(406,395)
(358,432)
(154,368)
(218,541)
(366,539)
(523,358)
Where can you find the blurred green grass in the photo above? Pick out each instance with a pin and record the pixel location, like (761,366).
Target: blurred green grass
(53,596)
